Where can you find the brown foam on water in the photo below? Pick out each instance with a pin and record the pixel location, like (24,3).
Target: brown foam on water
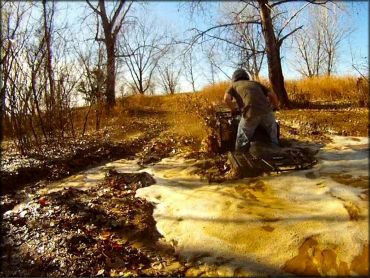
(348,179)
(311,222)
(313,261)
(302,264)
(268,228)
(360,263)
(353,211)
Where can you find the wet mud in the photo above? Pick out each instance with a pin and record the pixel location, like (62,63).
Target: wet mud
(100,231)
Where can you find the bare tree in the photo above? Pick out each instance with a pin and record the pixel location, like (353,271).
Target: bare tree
(35,56)
(333,35)
(111,24)
(52,49)
(67,74)
(37,111)
(212,68)
(48,12)
(310,51)
(251,60)
(318,45)
(213,59)
(15,93)
(272,47)
(169,75)
(273,34)
(144,49)
(189,68)
(48,18)
(12,42)
(243,42)
(360,65)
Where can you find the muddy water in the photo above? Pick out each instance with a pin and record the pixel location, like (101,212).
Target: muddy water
(311,222)
(305,222)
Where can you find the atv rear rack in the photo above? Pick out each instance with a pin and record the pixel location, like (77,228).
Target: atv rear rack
(262,156)
(248,165)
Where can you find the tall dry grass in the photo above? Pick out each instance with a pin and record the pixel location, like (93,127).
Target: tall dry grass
(191,113)
(334,90)
(181,113)
(214,93)
(329,89)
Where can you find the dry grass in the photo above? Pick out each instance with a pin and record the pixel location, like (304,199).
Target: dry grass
(214,93)
(188,114)
(333,89)
(324,89)
(179,113)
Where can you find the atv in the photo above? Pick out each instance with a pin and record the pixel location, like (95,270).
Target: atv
(262,156)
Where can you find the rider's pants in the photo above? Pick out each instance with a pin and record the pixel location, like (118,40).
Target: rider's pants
(247,127)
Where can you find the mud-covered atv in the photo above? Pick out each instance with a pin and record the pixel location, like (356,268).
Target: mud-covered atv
(263,156)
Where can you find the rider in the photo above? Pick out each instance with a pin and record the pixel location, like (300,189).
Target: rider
(257,104)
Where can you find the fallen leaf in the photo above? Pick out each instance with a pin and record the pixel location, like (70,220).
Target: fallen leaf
(43,202)
(105,235)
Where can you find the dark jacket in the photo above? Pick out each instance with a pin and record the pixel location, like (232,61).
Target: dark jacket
(251,96)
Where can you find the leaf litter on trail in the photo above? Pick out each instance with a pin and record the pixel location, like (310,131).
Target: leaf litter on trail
(102,231)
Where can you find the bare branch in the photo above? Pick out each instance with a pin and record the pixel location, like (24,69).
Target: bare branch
(319,2)
(237,45)
(117,11)
(97,30)
(93,8)
(291,18)
(280,41)
(279,3)
(316,2)
(118,27)
(201,33)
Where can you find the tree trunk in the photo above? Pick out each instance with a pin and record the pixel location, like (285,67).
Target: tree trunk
(86,119)
(70,116)
(111,26)
(49,56)
(36,101)
(98,113)
(192,81)
(111,75)
(273,55)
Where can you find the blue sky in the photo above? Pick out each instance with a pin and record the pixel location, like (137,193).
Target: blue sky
(359,37)
(172,15)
